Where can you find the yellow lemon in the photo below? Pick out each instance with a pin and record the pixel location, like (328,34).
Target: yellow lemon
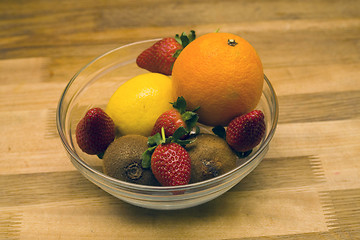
(136,104)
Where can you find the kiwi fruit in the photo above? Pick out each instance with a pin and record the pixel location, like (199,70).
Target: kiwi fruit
(210,157)
(122,160)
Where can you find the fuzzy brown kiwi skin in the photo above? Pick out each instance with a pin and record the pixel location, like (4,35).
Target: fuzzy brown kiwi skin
(122,160)
(210,157)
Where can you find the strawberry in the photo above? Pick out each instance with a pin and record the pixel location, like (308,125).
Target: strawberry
(172,119)
(171,164)
(95,131)
(246,131)
(160,57)
(169,161)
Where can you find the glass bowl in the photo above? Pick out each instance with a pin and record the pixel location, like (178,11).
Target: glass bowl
(93,86)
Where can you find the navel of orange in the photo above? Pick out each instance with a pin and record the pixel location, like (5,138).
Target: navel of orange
(221,73)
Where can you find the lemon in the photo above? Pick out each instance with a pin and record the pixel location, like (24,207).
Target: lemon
(135,105)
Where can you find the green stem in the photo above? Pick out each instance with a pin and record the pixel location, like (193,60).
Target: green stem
(163,134)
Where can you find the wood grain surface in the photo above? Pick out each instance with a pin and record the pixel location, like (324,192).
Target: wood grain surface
(307,187)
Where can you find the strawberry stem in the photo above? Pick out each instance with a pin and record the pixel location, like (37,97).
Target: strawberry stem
(163,135)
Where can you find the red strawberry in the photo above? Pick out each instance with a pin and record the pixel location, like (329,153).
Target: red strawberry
(95,132)
(246,131)
(160,57)
(171,164)
(169,161)
(172,119)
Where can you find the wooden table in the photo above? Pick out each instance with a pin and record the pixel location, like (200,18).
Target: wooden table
(307,187)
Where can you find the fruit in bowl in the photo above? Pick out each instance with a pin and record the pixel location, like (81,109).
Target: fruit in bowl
(136,104)
(169,144)
(221,73)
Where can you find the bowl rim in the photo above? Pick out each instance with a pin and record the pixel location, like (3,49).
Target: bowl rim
(140,187)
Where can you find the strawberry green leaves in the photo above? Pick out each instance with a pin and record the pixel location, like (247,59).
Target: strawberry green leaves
(153,142)
(180,105)
(184,40)
(189,117)
(159,139)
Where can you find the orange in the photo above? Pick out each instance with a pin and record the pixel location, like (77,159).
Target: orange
(221,73)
